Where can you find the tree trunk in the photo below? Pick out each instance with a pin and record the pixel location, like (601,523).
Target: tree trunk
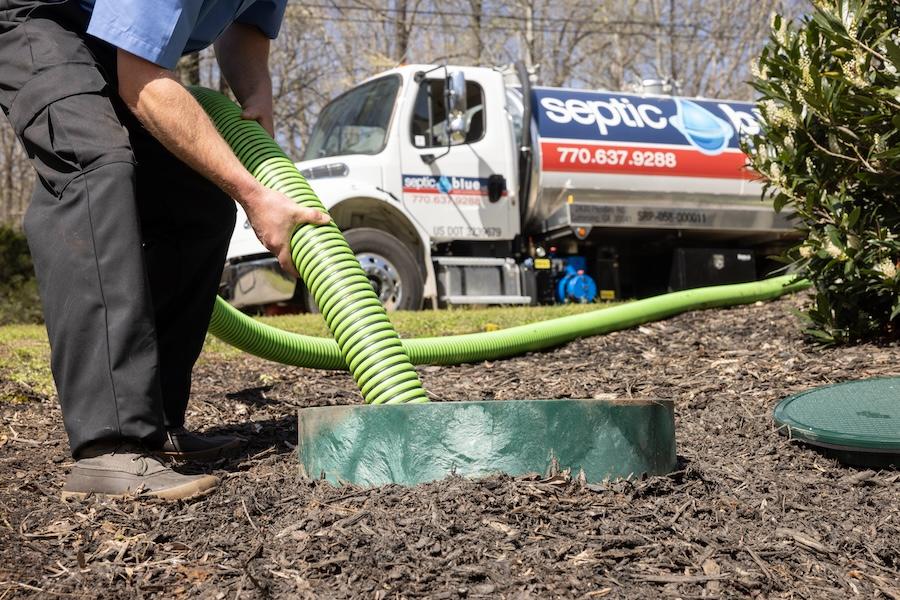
(528,50)
(188,69)
(477,12)
(402,32)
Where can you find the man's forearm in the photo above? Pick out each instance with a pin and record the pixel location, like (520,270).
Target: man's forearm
(172,115)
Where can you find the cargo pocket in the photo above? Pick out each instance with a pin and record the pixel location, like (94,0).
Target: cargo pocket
(67,124)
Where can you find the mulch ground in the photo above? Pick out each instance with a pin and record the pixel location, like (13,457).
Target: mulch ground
(748,513)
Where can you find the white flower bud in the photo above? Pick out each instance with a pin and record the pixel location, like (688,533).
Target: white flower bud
(833,251)
(887,268)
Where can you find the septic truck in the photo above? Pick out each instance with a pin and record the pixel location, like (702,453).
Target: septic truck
(460,185)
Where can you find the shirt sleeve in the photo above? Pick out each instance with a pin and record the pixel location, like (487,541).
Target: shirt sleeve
(265,15)
(157,31)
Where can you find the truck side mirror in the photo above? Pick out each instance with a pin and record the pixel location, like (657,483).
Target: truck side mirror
(456,105)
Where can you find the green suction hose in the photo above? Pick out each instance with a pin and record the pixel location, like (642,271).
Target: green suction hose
(239,330)
(364,337)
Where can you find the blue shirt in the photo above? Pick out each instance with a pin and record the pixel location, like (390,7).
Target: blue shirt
(160,31)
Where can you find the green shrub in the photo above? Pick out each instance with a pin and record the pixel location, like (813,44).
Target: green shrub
(829,151)
(19,301)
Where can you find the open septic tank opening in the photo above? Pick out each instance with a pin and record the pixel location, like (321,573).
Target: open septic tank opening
(417,443)
(857,422)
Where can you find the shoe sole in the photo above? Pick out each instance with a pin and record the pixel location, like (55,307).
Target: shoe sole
(188,491)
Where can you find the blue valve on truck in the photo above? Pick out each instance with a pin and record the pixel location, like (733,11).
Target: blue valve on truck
(575,285)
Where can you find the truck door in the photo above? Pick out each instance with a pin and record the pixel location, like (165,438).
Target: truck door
(460,186)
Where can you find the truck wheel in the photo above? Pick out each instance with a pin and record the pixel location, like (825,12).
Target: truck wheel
(390,266)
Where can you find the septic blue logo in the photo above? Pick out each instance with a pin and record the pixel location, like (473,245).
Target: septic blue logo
(705,131)
(709,126)
(444,185)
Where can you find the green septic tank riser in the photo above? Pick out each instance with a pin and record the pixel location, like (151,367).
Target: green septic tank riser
(367,445)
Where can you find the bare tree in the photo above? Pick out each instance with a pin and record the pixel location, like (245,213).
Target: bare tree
(706,45)
(393,23)
(477,9)
(188,69)
(704,50)
(17,178)
(300,82)
(326,46)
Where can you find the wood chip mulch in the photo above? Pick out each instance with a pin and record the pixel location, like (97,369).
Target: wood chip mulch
(748,514)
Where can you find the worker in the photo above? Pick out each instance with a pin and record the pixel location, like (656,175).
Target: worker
(132,213)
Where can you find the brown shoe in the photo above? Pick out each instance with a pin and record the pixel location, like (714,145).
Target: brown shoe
(124,470)
(181,444)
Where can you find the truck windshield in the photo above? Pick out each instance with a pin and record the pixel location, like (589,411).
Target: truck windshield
(355,122)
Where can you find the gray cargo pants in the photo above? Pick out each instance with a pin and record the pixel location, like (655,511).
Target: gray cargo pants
(128,242)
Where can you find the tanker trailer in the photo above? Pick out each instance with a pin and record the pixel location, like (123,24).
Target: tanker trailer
(651,189)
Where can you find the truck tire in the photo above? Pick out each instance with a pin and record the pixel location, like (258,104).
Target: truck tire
(390,266)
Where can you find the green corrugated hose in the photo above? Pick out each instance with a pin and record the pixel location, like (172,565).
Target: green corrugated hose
(364,338)
(239,330)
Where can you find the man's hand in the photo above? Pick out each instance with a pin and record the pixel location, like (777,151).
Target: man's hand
(172,115)
(259,111)
(242,52)
(274,217)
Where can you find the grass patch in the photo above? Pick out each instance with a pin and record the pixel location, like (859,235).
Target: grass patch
(25,351)
(425,323)
(24,363)
(19,301)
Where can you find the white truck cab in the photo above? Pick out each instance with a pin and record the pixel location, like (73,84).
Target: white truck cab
(463,185)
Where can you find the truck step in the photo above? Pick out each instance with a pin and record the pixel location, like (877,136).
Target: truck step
(479,280)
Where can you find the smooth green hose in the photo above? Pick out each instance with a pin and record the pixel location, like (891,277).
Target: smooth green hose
(241,331)
(365,338)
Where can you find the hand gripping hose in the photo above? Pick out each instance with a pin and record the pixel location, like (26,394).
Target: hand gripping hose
(366,341)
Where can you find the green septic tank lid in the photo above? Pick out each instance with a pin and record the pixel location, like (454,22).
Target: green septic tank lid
(417,443)
(855,416)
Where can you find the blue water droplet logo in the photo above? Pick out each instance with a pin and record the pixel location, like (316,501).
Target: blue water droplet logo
(705,131)
(444,186)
